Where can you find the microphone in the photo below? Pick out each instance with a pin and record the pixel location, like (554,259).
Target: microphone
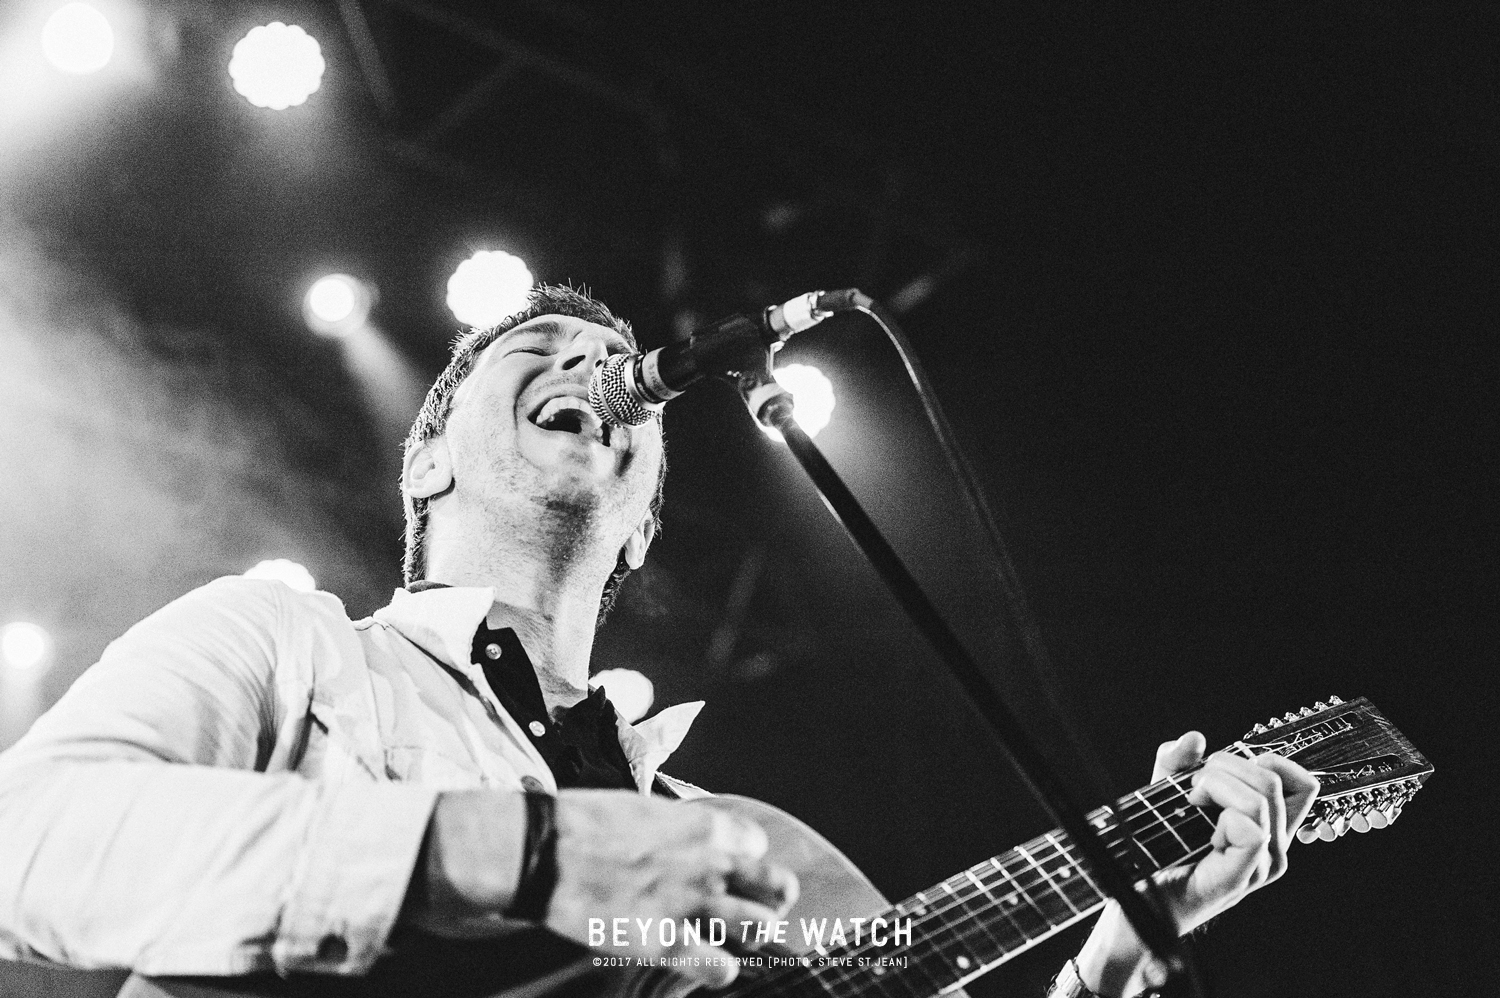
(628,389)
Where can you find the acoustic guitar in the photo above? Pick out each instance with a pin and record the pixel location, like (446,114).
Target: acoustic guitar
(954,931)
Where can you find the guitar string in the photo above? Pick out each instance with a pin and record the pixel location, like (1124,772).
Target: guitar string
(971,926)
(939,910)
(1128,811)
(983,918)
(1154,804)
(959,933)
(1079,896)
(834,978)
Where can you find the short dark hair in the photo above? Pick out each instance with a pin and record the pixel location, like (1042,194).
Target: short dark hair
(432,419)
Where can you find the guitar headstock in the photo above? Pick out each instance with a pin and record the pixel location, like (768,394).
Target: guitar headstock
(1368,769)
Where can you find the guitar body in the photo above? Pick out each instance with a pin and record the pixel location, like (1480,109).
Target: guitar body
(533,963)
(832,886)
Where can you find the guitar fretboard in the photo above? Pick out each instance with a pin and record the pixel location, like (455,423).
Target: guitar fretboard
(976,919)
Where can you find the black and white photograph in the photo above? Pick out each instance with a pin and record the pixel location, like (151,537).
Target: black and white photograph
(565,499)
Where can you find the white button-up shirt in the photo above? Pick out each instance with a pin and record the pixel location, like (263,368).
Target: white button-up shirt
(244,779)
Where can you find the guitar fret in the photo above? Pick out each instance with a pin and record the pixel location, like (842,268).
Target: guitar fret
(1005,904)
(1094,893)
(1152,808)
(815,987)
(983,922)
(1189,807)
(851,984)
(963,953)
(980,918)
(1012,907)
(1048,878)
(1155,863)
(916,979)
(984,914)
(931,950)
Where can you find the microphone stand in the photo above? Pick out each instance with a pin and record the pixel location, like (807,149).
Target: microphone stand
(772,405)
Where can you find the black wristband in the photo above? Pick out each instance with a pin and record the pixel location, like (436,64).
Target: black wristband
(538,861)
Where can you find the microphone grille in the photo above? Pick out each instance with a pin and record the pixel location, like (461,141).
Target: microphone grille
(610,394)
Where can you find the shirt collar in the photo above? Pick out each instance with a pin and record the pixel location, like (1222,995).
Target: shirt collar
(442,621)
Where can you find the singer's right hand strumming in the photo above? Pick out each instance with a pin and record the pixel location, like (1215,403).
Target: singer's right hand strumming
(618,855)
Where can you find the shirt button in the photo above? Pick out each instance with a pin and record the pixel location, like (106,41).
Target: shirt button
(492,650)
(537,728)
(532,785)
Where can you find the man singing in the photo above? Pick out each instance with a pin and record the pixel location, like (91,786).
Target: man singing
(250,783)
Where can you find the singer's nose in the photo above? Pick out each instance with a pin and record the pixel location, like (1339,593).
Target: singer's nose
(586,350)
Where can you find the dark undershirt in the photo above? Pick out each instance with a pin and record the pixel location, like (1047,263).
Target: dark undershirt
(582,745)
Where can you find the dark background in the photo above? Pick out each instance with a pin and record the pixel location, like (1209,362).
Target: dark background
(1208,296)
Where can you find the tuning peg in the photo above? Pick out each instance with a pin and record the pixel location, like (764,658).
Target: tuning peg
(1320,705)
(1340,825)
(1378,818)
(1307,712)
(1359,822)
(1307,833)
(1335,701)
(1259,729)
(1274,722)
(1326,832)
(1290,716)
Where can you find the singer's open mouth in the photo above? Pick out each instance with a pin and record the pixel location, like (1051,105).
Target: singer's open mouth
(570,414)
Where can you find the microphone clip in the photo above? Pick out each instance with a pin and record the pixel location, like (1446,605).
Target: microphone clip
(740,351)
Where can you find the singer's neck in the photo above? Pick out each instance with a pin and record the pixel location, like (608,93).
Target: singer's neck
(548,593)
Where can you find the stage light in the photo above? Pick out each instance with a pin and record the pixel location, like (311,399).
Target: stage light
(630,692)
(336,305)
(813,394)
(78,39)
(24,646)
(487,287)
(332,298)
(284,570)
(276,66)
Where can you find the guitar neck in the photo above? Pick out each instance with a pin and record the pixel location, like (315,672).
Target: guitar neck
(981,917)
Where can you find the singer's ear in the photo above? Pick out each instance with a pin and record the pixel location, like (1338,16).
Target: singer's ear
(427,470)
(634,551)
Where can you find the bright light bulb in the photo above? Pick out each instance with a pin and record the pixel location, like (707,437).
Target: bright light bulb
(336,305)
(284,570)
(332,298)
(487,287)
(813,394)
(78,39)
(276,66)
(24,646)
(630,692)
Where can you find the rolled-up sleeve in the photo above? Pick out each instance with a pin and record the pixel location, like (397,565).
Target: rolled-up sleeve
(137,828)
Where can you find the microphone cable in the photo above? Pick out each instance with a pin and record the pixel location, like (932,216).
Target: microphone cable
(1140,912)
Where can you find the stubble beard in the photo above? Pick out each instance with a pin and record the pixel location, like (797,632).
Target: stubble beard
(576,525)
(570,518)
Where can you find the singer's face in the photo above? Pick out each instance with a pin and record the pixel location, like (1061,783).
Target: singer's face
(521,423)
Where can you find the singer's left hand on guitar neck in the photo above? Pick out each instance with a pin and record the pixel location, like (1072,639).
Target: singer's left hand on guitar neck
(1263,801)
